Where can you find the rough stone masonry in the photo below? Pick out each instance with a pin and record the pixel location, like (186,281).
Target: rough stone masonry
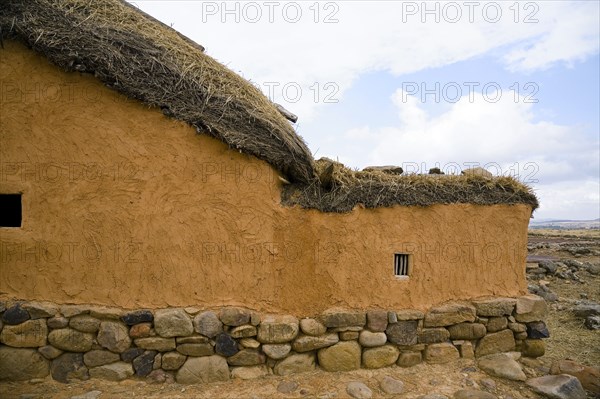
(191,345)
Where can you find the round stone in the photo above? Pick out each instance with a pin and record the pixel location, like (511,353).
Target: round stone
(372,339)
(391,386)
(15,315)
(276,351)
(114,336)
(358,390)
(225,345)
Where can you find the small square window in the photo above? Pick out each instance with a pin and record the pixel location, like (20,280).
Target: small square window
(10,210)
(401,265)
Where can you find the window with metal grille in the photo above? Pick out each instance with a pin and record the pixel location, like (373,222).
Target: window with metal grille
(401,264)
(10,210)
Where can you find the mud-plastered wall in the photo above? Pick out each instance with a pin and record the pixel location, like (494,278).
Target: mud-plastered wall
(123,206)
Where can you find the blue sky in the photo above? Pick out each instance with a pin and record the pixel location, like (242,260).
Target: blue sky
(373,58)
(566,95)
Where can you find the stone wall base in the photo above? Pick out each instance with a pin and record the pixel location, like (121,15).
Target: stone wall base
(191,345)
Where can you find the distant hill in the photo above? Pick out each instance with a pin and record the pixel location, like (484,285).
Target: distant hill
(564,224)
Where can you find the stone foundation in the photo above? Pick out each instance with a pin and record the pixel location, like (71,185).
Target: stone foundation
(190,345)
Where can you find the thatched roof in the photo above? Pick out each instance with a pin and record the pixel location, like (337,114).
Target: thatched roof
(144,59)
(139,56)
(341,189)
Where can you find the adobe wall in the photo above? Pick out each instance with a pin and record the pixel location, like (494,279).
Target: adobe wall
(123,206)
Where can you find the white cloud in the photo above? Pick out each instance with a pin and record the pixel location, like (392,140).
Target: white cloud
(502,136)
(572,36)
(377,35)
(569,200)
(503,132)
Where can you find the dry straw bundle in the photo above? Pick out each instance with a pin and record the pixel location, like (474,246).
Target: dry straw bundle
(346,188)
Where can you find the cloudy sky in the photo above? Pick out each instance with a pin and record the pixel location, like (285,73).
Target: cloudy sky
(511,86)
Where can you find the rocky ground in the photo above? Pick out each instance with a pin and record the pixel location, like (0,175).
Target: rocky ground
(564,267)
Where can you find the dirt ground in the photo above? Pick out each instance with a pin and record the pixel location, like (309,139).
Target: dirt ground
(569,339)
(418,380)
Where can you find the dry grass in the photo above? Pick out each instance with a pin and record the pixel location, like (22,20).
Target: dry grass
(569,339)
(576,233)
(342,189)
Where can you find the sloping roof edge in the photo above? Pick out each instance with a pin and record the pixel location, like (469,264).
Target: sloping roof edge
(132,52)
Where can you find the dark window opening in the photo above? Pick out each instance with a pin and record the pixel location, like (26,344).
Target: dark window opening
(10,210)
(401,265)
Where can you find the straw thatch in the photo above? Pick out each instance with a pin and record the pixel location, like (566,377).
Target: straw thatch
(144,59)
(342,189)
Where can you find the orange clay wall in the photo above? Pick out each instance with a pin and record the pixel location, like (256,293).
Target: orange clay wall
(124,206)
